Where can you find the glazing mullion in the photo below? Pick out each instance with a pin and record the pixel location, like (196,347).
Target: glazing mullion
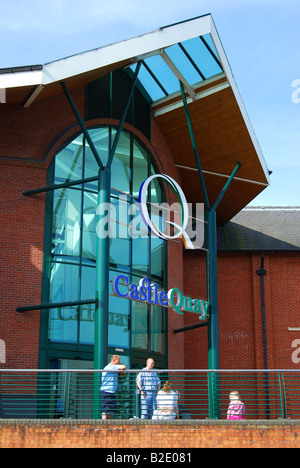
(81,240)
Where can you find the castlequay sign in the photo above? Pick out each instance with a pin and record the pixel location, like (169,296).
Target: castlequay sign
(146,291)
(149,293)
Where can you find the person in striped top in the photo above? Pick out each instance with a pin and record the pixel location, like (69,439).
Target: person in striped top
(236,409)
(149,383)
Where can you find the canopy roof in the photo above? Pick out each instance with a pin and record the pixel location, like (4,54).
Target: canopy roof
(190,52)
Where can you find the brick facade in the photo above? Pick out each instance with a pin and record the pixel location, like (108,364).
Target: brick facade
(127,435)
(30,138)
(240,309)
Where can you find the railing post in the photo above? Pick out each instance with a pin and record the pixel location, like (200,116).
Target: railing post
(284,396)
(213,379)
(67,395)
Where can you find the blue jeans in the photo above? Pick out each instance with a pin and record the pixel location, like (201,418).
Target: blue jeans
(148,405)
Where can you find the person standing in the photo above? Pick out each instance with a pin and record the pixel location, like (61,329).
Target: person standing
(236,409)
(148,383)
(109,386)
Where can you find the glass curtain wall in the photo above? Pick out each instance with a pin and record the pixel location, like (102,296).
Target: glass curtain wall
(133,252)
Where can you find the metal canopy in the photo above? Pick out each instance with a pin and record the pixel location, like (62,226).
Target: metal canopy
(189,52)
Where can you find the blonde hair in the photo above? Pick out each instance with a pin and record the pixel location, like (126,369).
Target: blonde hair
(167,387)
(234,396)
(115,357)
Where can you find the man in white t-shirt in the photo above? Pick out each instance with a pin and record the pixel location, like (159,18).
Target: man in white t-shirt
(109,387)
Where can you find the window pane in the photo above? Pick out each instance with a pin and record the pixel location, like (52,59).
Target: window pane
(140,254)
(100,138)
(120,241)
(68,162)
(118,325)
(119,254)
(183,63)
(64,286)
(87,324)
(202,56)
(66,222)
(139,326)
(120,173)
(157,250)
(139,322)
(87,312)
(89,226)
(63,324)
(157,214)
(140,168)
(64,282)
(157,329)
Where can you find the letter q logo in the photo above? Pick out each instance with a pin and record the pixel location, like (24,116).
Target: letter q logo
(181,229)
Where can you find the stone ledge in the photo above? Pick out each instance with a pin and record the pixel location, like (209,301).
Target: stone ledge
(140,422)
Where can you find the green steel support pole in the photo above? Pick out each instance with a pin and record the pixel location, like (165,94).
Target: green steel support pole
(102,283)
(102,271)
(212,295)
(213,322)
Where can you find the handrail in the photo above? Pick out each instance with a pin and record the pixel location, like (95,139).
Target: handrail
(74,393)
(156,370)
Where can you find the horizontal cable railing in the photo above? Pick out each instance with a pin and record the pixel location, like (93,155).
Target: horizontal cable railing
(54,394)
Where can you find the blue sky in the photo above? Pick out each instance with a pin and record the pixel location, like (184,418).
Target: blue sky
(261,39)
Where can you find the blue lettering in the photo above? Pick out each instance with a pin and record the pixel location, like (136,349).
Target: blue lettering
(134,293)
(163,299)
(115,285)
(149,293)
(154,293)
(143,293)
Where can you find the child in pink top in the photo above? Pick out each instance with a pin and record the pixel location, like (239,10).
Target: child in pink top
(236,409)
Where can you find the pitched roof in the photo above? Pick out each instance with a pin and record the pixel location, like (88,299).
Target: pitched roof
(189,52)
(262,228)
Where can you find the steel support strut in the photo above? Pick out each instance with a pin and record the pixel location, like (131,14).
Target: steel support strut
(81,123)
(194,145)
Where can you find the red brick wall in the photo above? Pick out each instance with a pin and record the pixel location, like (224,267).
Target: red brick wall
(78,434)
(21,250)
(28,133)
(26,136)
(240,309)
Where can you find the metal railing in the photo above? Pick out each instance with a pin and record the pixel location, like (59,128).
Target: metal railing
(203,394)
